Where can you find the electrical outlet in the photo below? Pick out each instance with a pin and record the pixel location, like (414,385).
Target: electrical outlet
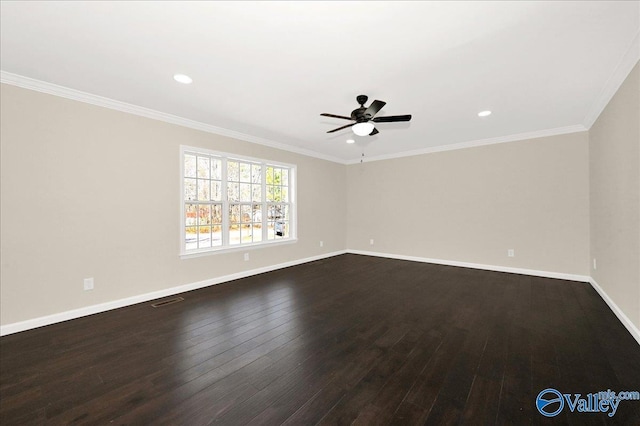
(246,257)
(595,265)
(371,242)
(88,283)
(511,253)
(321,243)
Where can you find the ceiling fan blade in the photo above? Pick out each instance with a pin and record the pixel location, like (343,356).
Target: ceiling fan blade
(392,118)
(374,132)
(335,116)
(340,128)
(374,107)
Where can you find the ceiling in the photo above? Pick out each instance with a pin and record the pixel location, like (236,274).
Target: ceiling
(264,71)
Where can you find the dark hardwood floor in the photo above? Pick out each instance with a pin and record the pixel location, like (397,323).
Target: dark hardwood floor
(346,340)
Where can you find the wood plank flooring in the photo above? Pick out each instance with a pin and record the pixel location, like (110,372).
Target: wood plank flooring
(346,340)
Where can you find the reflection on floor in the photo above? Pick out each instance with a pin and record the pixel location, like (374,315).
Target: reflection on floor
(350,338)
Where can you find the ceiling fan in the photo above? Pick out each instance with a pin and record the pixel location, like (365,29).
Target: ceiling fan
(364,117)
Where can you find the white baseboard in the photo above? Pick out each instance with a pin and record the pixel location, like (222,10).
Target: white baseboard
(546,274)
(635,332)
(630,326)
(94,309)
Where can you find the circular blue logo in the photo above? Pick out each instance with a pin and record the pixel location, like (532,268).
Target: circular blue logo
(546,400)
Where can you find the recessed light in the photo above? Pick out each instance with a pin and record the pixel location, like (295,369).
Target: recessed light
(484,113)
(350,141)
(181,78)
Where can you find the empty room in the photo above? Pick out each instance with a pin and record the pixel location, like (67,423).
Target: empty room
(329,213)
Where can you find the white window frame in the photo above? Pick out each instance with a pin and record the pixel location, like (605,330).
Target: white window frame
(226,247)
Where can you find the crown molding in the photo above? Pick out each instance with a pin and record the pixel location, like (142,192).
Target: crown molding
(626,64)
(475,143)
(612,86)
(77,95)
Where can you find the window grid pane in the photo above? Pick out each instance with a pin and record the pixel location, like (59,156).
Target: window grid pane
(203,167)
(257,200)
(190,165)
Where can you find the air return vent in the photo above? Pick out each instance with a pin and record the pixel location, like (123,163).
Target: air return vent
(167,302)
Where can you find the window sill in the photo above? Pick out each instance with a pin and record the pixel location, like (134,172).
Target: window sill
(209,252)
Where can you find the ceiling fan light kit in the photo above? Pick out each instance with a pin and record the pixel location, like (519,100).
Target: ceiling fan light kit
(364,117)
(363,129)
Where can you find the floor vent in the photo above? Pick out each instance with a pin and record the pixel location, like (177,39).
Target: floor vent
(167,302)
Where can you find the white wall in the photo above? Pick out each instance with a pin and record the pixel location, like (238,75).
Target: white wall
(92,192)
(614,176)
(472,205)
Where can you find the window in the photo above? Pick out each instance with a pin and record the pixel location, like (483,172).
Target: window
(230,201)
